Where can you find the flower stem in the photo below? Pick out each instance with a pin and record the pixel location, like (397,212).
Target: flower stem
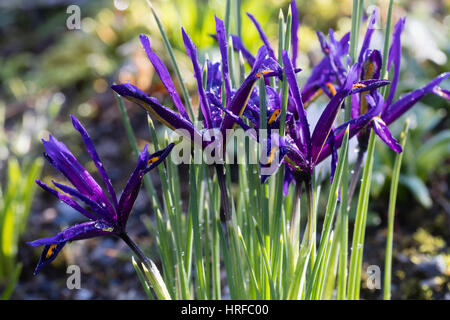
(148,268)
(387,40)
(239,18)
(297,197)
(354,280)
(311,231)
(392,201)
(133,246)
(343,247)
(220,169)
(355,177)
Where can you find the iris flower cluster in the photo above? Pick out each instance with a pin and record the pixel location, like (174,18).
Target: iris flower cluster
(223,107)
(301,148)
(381,113)
(220,110)
(334,77)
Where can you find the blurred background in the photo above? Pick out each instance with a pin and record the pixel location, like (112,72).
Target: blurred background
(48,72)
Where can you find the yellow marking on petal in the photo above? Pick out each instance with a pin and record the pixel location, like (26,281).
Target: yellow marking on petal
(369,71)
(258,75)
(441,93)
(314,97)
(272,154)
(152,160)
(151,111)
(364,104)
(241,112)
(358,85)
(292,163)
(378,119)
(50,251)
(324,141)
(331,88)
(274,116)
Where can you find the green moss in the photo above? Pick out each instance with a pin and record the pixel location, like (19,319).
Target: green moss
(428,243)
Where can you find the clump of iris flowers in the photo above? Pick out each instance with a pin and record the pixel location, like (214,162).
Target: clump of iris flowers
(301,149)
(362,81)
(107,215)
(371,102)
(216,114)
(262,253)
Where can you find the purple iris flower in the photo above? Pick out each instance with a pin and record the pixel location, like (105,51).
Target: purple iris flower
(321,77)
(388,111)
(302,147)
(107,215)
(214,113)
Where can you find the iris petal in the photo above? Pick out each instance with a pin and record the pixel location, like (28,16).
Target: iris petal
(328,116)
(242,95)
(98,208)
(397,109)
(191,50)
(164,75)
(64,161)
(133,185)
(49,253)
(395,55)
(295,92)
(383,132)
(67,200)
(166,116)
(221,38)
(368,36)
(239,46)
(131,190)
(263,36)
(98,163)
(53,245)
(355,126)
